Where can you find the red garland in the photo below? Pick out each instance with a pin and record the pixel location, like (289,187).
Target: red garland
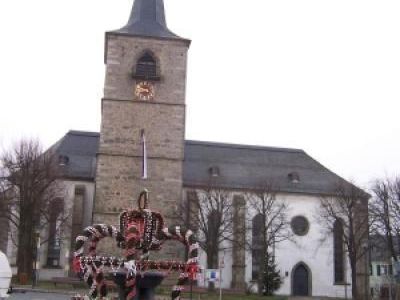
(142,230)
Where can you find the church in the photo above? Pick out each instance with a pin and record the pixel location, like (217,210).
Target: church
(144,96)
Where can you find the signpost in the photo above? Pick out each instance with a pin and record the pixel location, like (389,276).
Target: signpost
(221,265)
(215,275)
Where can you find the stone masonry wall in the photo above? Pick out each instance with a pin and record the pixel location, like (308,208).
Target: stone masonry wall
(121,56)
(238,251)
(163,125)
(119,183)
(119,161)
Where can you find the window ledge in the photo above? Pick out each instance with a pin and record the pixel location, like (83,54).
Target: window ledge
(52,267)
(253,281)
(341,283)
(149,78)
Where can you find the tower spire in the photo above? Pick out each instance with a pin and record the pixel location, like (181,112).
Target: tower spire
(147,19)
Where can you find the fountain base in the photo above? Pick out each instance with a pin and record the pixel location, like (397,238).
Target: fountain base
(146,284)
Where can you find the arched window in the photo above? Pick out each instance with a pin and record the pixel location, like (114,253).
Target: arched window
(146,67)
(257,239)
(338,251)
(56,208)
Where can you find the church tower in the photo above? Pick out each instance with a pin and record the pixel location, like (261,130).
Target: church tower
(144,97)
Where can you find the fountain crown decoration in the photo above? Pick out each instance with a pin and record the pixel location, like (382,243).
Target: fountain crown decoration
(141,231)
(143,200)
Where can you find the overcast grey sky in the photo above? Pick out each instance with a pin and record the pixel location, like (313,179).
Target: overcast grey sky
(323,76)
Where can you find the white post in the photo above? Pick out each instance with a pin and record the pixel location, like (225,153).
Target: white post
(144,152)
(390,268)
(66,263)
(220,283)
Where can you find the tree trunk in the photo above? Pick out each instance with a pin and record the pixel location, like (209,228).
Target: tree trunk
(266,286)
(354,280)
(260,279)
(261,275)
(25,246)
(212,263)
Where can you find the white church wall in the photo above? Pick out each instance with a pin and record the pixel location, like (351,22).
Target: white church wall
(308,249)
(225,256)
(314,249)
(68,194)
(87,216)
(70,187)
(11,244)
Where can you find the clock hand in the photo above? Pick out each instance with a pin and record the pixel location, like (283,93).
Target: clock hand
(140,89)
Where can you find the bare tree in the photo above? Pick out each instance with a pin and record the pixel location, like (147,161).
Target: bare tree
(4,223)
(268,222)
(349,206)
(28,190)
(209,211)
(385,209)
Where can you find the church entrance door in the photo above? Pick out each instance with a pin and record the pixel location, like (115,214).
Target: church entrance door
(301,280)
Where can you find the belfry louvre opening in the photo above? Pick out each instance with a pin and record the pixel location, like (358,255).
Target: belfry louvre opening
(146,67)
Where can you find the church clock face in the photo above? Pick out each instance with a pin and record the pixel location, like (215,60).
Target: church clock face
(144,90)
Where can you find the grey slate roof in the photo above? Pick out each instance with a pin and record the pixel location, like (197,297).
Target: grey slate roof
(80,148)
(250,167)
(240,166)
(147,19)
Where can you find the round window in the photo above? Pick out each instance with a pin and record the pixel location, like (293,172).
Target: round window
(300,225)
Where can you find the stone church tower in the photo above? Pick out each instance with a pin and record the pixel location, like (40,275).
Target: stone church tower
(144,92)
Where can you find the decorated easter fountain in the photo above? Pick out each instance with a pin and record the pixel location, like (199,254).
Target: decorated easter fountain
(140,231)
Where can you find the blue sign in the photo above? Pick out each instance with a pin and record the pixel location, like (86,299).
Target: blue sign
(212,275)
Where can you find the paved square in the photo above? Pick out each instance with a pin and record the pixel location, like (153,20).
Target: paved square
(38,296)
